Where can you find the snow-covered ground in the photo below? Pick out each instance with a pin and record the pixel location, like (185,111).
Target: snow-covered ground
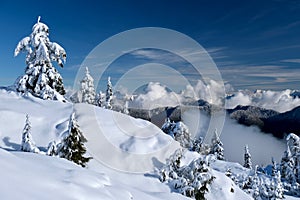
(114,140)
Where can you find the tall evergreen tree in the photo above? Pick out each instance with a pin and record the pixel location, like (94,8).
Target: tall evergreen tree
(41,78)
(72,146)
(247,158)
(109,94)
(274,167)
(287,166)
(217,147)
(28,144)
(87,88)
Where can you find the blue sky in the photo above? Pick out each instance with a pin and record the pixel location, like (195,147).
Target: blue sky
(255,44)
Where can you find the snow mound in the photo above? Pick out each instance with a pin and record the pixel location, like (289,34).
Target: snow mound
(49,119)
(114,137)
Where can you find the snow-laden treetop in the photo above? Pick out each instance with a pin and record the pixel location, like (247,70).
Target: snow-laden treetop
(41,78)
(39,47)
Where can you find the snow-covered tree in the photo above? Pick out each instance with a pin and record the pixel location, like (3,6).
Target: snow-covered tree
(229,174)
(182,135)
(179,131)
(272,189)
(52,149)
(87,88)
(279,189)
(287,166)
(41,78)
(109,94)
(255,184)
(28,144)
(217,147)
(274,168)
(293,141)
(247,158)
(127,98)
(168,127)
(72,146)
(100,99)
(197,145)
(125,109)
(192,180)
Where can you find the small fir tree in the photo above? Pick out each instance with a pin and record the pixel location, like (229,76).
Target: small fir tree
(168,126)
(274,168)
(52,149)
(28,144)
(72,146)
(109,94)
(256,184)
(247,158)
(101,99)
(217,147)
(87,88)
(279,189)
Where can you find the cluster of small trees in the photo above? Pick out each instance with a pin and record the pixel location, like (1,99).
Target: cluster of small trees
(87,93)
(284,178)
(180,132)
(258,184)
(71,147)
(193,180)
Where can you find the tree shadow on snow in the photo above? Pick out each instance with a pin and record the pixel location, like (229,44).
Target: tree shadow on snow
(8,143)
(157,165)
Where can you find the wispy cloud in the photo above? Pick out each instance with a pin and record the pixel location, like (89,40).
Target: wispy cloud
(297,60)
(261,76)
(153,54)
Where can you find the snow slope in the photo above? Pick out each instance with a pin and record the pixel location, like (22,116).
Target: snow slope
(42,177)
(32,176)
(121,147)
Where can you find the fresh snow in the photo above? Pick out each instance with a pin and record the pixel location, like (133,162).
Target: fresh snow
(37,176)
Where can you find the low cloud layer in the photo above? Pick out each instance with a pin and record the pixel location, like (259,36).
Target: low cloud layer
(157,95)
(280,101)
(235,136)
(262,146)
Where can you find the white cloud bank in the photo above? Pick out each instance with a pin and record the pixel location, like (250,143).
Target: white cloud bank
(280,101)
(157,95)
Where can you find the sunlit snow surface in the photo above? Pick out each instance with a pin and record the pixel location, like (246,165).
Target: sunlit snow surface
(34,177)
